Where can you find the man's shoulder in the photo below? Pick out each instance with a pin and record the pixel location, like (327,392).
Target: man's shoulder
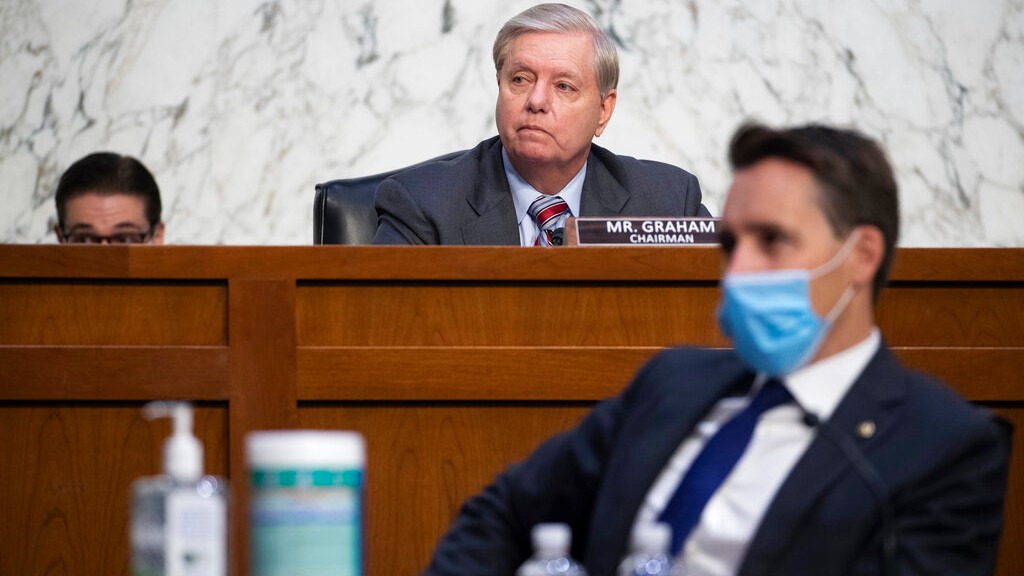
(627,167)
(450,169)
(686,362)
(937,403)
(937,409)
(696,355)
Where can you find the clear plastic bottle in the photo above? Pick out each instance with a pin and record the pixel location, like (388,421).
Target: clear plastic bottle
(179,519)
(648,554)
(551,553)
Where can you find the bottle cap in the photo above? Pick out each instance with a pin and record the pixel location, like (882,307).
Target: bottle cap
(183,453)
(651,538)
(551,538)
(276,449)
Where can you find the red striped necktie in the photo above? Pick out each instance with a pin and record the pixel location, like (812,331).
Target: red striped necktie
(549,212)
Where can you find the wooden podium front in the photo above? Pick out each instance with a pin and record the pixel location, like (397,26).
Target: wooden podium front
(453,361)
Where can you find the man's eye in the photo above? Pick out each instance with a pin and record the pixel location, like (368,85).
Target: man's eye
(564,87)
(127,238)
(771,240)
(727,243)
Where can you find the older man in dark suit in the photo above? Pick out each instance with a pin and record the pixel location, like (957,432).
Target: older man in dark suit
(557,74)
(808,449)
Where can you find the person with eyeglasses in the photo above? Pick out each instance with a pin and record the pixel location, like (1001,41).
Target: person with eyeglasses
(107,198)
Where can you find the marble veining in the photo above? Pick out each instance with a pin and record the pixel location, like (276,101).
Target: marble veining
(240,107)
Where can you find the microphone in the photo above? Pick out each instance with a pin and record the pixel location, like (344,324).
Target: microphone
(558,236)
(870,476)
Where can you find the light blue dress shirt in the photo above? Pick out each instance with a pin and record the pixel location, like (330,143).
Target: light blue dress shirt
(523,195)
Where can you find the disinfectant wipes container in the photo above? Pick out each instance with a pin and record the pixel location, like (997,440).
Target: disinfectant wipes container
(306,502)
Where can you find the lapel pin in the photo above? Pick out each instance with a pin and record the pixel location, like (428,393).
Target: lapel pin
(866,429)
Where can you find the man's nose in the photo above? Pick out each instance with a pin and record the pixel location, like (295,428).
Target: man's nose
(743,258)
(539,98)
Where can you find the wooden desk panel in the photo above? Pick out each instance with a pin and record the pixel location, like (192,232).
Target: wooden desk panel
(431,352)
(44,311)
(113,372)
(952,315)
(423,461)
(470,373)
(65,485)
(453,314)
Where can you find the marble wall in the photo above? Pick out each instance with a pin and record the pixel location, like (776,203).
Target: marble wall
(240,107)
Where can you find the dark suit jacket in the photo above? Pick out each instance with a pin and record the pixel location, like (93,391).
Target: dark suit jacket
(467,200)
(944,464)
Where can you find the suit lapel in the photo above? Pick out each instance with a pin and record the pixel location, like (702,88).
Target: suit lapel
(602,193)
(875,396)
(491,200)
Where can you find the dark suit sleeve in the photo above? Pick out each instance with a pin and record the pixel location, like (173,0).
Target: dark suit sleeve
(952,524)
(694,205)
(399,219)
(557,483)
(951,521)
(674,191)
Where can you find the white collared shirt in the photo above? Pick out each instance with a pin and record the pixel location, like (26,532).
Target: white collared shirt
(523,194)
(718,543)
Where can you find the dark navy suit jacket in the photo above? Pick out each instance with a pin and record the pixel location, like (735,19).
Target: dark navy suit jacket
(942,461)
(466,200)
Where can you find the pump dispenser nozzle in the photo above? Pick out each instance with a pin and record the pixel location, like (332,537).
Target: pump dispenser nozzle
(183,454)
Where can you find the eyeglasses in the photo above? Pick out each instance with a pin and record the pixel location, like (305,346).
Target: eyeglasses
(119,238)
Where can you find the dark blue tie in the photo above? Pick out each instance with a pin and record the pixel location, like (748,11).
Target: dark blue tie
(715,461)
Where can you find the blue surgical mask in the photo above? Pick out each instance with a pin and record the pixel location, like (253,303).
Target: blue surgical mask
(769,317)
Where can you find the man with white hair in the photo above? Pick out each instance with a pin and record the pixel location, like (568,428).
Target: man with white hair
(557,73)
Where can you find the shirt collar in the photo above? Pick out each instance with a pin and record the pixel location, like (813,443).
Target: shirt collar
(523,194)
(819,387)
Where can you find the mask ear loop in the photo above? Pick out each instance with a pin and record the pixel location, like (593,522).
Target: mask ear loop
(839,257)
(840,305)
(826,324)
(848,294)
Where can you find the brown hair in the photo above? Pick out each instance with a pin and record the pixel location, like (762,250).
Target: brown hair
(109,173)
(855,181)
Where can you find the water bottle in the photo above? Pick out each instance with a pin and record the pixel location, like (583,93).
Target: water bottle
(551,553)
(648,554)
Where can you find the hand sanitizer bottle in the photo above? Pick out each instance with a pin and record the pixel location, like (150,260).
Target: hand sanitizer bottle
(551,553)
(179,519)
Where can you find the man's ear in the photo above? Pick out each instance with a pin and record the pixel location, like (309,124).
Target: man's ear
(158,235)
(607,107)
(867,255)
(59,233)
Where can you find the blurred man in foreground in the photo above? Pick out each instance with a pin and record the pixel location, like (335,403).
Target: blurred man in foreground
(806,450)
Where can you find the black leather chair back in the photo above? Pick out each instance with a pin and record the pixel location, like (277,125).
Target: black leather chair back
(343,211)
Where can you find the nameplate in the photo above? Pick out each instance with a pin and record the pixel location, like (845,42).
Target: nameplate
(591,231)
